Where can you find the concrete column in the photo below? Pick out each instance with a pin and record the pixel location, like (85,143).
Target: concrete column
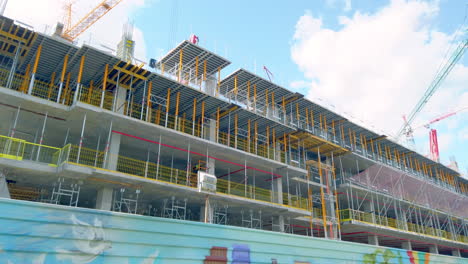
(406,245)
(211,135)
(206,210)
(4,192)
(278,223)
(277,197)
(210,85)
(369,208)
(456,253)
(433,249)
(212,131)
(278,152)
(373,240)
(119,101)
(104,199)
(113,156)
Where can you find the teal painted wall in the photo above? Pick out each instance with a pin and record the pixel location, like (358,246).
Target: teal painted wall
(42,233)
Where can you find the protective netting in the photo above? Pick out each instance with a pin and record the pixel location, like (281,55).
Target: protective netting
(415,190)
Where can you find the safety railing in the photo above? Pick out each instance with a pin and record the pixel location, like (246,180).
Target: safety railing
(17,149)
(369,218)
(45,90)
(98,159)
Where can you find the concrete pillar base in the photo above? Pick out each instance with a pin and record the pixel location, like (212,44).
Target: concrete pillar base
(456,253)
(113,155)
(4,192)
(406,245)
(373,240)
(433,249)
(278,223)
(104,199)
(209,214)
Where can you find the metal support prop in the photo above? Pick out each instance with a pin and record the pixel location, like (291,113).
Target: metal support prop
(149,106)
(248,135)
(97,150)
(337,209)
(248,92)
(81,139)
(202,118)
(219,81)
(106,149)
(217,125)
(256,137)
(36,63)
(235,130)
(159,158)
(11,75)
(176,114)
(143,100)
(196,71)
(116,93)
(255,96)
(310,204)
(168,105)
(62,78)
(194,115)
(76,97)
(104,83)
(13,129)
(268,141)
(41,140)
(322,196)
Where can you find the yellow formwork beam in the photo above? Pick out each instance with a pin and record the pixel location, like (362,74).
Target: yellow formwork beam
(148,101)
(168,100)
(51,85)
(177,104)
(80,72)
(181,56)
(204,70)
(24,85)
(90,92)
(67,88)
(38,56)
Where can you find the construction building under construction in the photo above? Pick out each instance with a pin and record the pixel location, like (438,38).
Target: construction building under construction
(83,128)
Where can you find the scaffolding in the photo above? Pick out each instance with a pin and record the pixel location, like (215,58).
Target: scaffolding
(126,202)
(65,194)
(304,167)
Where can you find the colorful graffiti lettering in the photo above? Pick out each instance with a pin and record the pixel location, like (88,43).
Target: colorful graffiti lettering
(418,257)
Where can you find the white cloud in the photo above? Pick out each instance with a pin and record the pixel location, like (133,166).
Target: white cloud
(44,14)
(377,66)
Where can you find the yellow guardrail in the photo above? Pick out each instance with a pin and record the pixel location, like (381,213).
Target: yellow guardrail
(369,218)
(18,149)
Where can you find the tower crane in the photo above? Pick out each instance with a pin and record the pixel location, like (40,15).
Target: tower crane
(435,84)
(71,32)
(433,143)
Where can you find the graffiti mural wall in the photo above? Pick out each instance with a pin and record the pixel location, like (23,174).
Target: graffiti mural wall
(41,233)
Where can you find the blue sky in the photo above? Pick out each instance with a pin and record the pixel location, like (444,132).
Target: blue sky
(371,59)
